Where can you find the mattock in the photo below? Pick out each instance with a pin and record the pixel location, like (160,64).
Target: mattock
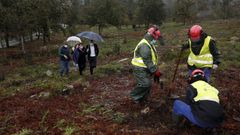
(172,86)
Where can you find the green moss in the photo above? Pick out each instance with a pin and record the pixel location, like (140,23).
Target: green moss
(109,69)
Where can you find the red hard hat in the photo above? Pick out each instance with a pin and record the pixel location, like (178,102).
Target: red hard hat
(197,72)
(155,32)
(195,32)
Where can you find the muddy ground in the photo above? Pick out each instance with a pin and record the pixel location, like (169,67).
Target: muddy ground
(106,108)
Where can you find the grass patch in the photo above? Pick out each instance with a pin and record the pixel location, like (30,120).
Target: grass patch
(118,117)
(107,113)
(35,76)
(109,69)
(24,132)
(92,109)
(230,54)
(66,128)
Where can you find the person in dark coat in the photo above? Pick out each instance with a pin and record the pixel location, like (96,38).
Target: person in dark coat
(201,105)
(92,53)
(81,58)
(75,56)
(64,54)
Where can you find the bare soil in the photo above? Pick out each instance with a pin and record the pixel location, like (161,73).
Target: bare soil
(112,93)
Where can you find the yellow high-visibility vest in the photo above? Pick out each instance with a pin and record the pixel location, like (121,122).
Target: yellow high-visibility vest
(205,91)
(204,59)
(138,61)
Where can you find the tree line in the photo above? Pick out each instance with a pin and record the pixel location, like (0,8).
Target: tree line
(21,18)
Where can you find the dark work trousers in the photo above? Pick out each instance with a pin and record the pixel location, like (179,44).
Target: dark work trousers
(143,84)
(92,63)
(81,60)
(81,68)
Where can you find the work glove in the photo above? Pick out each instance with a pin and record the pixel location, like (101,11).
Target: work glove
(65,56)
(215,66)
(157,75)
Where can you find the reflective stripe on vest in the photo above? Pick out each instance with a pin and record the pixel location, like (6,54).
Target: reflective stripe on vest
(205,91)
(204,59)
(138,61)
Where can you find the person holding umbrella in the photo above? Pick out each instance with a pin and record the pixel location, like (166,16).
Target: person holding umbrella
(92,49)
(74,41)
(92,53)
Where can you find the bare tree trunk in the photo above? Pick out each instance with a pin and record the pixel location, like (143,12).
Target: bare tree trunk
(31,36)
(7,39)
(226,8)
(45,34)
(44,38)
(1,43)
(38,34)
(48,35)
(22,44)
(24,39)
(2,76)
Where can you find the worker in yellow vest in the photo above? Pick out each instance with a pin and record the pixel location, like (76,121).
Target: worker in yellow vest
(204,54)
(145,64)
(201,105)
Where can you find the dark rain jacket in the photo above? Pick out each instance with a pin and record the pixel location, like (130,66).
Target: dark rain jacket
(204,111)
(82,57)
(64,51)
(89,50)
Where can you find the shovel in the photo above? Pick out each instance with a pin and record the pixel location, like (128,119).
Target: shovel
(172,86)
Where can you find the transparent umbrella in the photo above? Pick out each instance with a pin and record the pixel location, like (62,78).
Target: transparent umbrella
(91,36)
(73,40)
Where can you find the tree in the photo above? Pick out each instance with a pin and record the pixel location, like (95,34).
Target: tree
(184,10)
(226,8)
(151,11)
(235,8)
(24,18)
(48,16)
(104,12)
(17,18)
(130,6)
(7,19)
(73,16)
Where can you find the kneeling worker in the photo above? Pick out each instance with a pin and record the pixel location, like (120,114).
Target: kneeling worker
(201,105)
